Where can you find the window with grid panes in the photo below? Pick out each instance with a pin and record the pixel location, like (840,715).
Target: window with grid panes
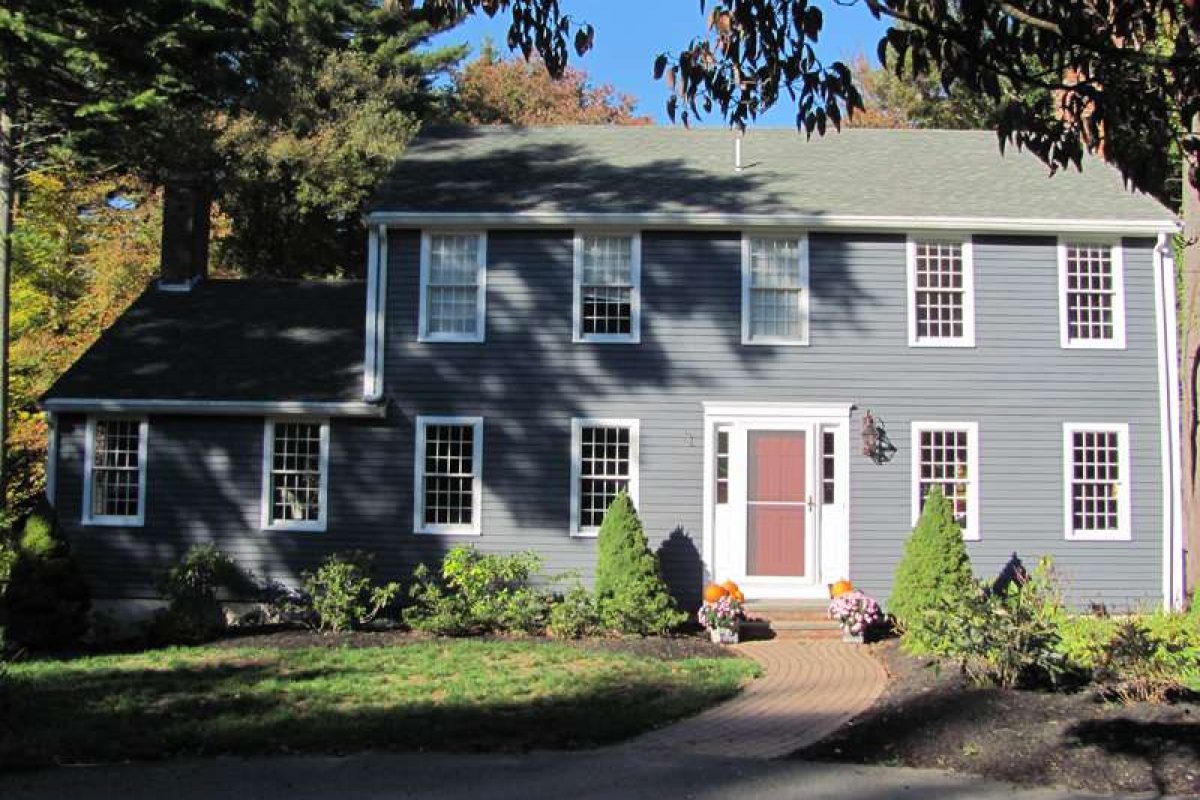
(604,470)
(1096,479)
(116,468)
(945,462)
(295,491)
(607,287)
(940,300)
(1091,293)
(449,474)
(452,290)
(777,282)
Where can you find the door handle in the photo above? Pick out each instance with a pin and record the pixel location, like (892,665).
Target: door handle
(811,505)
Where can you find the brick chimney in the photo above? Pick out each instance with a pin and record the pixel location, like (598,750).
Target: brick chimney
(185,232)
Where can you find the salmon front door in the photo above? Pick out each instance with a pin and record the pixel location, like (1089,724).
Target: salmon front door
(777,503)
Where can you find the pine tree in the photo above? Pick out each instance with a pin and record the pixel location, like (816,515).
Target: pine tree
(630,590)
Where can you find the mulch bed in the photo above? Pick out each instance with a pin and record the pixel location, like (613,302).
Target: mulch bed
(934,718)
(664,648)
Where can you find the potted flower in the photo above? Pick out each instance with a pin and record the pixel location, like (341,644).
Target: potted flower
(856,612)
(721,614)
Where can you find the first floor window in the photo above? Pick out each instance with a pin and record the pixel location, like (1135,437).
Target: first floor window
(607,277)
(775,290)
(296,474)
(604,463)
(945,455)
(1097,466)
(448,468)
(115,480)
(452,282)
(1091,295)
(941,293)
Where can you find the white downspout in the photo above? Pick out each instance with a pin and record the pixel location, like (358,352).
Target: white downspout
(52,458)
(1173,578)
(377,257)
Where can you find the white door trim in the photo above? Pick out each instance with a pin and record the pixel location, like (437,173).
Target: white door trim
(786,415)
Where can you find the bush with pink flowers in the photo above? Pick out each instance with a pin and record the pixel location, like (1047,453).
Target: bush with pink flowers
(856,611)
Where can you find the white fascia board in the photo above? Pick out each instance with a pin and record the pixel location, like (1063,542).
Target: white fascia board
(219,408)
(863,222)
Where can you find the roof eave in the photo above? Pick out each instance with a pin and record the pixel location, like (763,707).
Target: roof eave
(219,408)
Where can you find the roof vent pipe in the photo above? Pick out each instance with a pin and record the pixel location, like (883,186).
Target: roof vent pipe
(737,153)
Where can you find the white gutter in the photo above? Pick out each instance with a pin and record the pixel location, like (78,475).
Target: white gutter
(217,408)
(1169,423)
(847,222)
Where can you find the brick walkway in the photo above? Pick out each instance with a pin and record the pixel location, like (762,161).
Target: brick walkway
(808,690)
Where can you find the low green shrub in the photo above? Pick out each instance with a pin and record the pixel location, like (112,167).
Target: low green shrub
(574,615)
(475,593)
(342,593)
(193,613)
(630,591)
(46,600)
(38,539)
(932,579)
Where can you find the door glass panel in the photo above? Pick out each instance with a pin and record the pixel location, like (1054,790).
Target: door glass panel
(776,514)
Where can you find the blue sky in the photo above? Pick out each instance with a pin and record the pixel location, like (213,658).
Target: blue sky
(631,33)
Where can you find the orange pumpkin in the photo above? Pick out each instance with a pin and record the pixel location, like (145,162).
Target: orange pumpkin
(733,591)
(714,592)
(840,588)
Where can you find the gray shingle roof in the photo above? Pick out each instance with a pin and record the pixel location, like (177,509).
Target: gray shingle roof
(610,169)
(230,340)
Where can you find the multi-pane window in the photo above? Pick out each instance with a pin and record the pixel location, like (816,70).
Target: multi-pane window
(828,468)
(607,277)
(116,475)
(296,474)
(723,466)
(1097,477)
(775,290)
(604,464)
(1091,295)
(946,456)
(452,277)
(448,469)
(941,288)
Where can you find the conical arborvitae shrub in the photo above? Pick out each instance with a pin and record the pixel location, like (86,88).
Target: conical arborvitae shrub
(630,590)
(934,573)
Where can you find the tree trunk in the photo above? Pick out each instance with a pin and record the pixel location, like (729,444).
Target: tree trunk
(8,160)
(1190,368)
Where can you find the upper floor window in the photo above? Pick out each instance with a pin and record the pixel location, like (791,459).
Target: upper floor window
(448,475)
(295,474)
(604,462)
(946,455)
(607,287)
(941,294)
(453,287)
(775,290)
(1091,295)
(114,489)
(1096,467)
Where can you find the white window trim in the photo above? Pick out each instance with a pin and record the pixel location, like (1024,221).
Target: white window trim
(968,260)
(1118,268)
(419,525)
(577,426)
(89,455)
(971,532)
(423,334)
(266,500)
(635,297)
(1124,532)
(805,291)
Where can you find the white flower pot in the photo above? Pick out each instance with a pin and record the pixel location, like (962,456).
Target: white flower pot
(723,635)
(851,638)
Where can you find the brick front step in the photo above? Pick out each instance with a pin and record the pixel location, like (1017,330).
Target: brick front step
(804,620)
(777,611)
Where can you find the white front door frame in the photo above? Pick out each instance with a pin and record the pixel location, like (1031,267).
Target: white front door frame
(787,416)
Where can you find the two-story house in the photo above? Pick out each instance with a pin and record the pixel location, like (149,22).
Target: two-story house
(776,358)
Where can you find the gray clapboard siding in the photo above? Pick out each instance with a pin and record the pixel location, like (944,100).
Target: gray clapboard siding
(529,379)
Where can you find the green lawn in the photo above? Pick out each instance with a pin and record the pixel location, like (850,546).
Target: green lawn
(437,694)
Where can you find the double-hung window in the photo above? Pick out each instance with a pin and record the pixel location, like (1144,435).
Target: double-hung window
(946,455)
(1096,481)
(941,293)
(775,291)
(604,462)
(1091,295)
(114,488)
(608,302)
(453,287)
(448,470)
(295,474)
